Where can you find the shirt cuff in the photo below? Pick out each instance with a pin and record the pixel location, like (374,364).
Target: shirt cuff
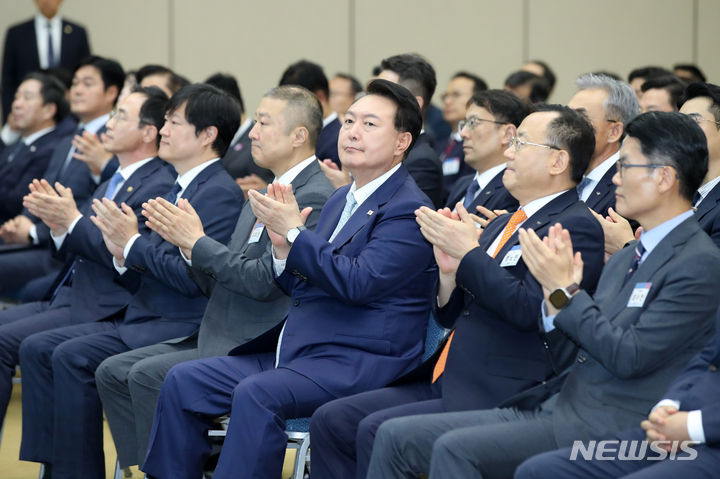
(118,268)
(33,234)
(130,243)
(278,264)
(667,402)
(695,427)
(548,320)
(72,225)
(188,261)
(59,240)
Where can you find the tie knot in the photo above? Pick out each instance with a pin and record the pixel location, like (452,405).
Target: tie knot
(639,249)
(80,130)
(518,217)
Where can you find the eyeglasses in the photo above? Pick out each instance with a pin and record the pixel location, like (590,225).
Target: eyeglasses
(517,143)
(453,95)
(697,118)
(621,166)
(119,116)
(473,122)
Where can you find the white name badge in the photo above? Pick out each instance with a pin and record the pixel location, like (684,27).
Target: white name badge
(256,232)
(451,166)
(512,257)
(637,298)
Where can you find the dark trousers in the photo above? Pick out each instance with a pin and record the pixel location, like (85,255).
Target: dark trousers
(259,398)
(343,430)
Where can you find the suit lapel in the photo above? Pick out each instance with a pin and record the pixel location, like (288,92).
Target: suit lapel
(136,180)
(708,203)
(490,189)
(602,189)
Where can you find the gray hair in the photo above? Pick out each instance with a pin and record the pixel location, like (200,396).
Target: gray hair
(621,103)
(303,109)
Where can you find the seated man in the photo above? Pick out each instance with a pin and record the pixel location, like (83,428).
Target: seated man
(689,411)
(361,287)
(133,136)
(652,311)
(486,293)
(62,414)
(244,300)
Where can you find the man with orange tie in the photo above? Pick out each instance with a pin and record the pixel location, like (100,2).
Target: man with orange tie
(486,293)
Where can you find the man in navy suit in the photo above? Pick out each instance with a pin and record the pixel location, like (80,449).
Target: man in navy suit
(689,411)
(486,293)
(46,41)
(609,105)
(361,287)
(652,311)
(39,106)
(96,84)
(134,139)
(167,303)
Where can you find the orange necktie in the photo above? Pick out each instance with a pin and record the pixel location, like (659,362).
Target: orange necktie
(518,217)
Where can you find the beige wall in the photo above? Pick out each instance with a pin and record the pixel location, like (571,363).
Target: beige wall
(256,40)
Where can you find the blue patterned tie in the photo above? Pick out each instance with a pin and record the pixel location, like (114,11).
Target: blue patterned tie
(582,185)
(639,251)
(172,196)
(115,181)
(350,205)
(52,59)
(472,188)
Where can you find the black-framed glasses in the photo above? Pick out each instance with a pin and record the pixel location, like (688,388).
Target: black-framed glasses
(517,143)
(472,122)
(622,166)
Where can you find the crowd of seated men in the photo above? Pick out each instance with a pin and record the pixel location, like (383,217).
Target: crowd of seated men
(169,256)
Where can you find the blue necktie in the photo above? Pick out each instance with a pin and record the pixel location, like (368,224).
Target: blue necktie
(350,205)
(639,251)
(472,188)
(113,185)
(72,151)
(16,150)
(172,196)
(52,60)
(582,185)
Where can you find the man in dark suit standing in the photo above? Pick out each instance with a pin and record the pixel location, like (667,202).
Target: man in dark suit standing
(486,292)
(244,300)
(609,105)
(38,107)
(46,41)
(417,75)
(652,311)
(360,285)
(689,411)
(167,303)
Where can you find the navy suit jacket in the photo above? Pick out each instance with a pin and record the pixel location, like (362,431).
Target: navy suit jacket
(166,302)
(238,161)
(603,196)
(360,303)
(28,163)
(424,166)
(708,214)
(448,159)
(327,144)
(493,197)
(698,387)
(95,293)
(497,350)
(20,55)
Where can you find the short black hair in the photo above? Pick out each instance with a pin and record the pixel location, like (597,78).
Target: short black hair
(407,114)
(539,87)
(355,85)
(111,72)
(151,69)
(548,73)
(694,70)
(647,73)
(675,140)
(671,84)
(207,106)
(152,111)
(501,104)
(308,75)
(708,90)
(478,83)
(52,91)
(229,85)
(414,73)
(572,132)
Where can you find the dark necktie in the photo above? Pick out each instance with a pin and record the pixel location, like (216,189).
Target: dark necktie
(72,151)
(172,196)
(472,188)
(52,59)
(16,150)
(639,250)
(696,197)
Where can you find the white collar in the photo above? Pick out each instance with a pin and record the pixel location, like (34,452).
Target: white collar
(537,204)
(129,170)
(241,131)
(599,171)
(186,178)
(30,139)
(330,118)
(288,177)
(363,193)
(486,176)
(708,187)
(41,21)
(96,123)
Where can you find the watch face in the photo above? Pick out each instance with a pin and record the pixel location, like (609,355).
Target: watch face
(558,298)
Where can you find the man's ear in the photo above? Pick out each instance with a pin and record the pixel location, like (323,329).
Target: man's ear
(403,143)
(301,136)
(209,135)
(559,162)
(616,132)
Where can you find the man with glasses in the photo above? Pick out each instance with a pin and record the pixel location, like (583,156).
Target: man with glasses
(485,292)
(609,105)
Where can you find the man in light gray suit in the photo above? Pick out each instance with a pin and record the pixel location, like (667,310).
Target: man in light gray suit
(653,309)
(244,299)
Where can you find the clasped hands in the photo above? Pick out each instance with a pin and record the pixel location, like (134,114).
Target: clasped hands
(279,212)
(666,423)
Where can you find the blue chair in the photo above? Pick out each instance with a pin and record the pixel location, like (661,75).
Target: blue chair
(298,430)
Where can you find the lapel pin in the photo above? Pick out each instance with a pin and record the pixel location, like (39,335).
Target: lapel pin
(538,223)
(33,148)
(370,212)
(67,29)
(129,189)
